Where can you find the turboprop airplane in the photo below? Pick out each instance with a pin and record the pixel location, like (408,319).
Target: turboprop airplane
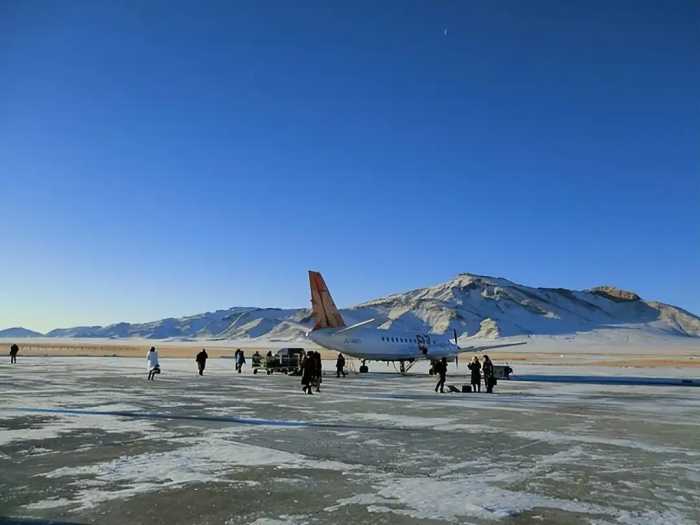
(369,343)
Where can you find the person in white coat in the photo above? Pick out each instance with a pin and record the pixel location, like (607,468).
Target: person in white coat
(153,366)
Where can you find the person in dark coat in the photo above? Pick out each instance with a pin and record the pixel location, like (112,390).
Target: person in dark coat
(507,370)
(340,365)
(441,369)
(475,367)
(240,360)
(14,350)
(318,371)
(489,377)
(201,360)
(307,372)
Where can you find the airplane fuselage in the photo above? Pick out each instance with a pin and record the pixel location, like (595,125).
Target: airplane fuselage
(384,345)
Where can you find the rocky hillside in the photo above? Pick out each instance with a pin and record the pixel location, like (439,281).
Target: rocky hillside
(492,307)
(474,305)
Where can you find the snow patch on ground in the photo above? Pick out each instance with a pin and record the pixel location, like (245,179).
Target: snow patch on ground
(211,459)
(281,520)
(400,420)
(559,438)
(426,498)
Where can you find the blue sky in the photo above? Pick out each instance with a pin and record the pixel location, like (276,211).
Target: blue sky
(168,158)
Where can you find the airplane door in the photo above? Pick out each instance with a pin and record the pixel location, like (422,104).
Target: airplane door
(422,344)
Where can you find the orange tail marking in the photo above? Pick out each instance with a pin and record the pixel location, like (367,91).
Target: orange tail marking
(323,308)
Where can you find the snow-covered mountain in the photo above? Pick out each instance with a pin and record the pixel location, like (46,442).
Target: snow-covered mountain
(474,305)
(234,323)
(18,331)
(493,307)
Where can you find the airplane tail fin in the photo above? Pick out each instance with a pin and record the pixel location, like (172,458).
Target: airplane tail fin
(324,310)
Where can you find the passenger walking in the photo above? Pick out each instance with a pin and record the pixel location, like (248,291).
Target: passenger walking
(441,369)
(318,371)
(14,350)
(475,367)
(201,361)
(152,364)
(240,360)
(489,378)
(340,365)
(307,372)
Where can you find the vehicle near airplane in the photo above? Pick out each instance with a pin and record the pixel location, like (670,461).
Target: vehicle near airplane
(369,343)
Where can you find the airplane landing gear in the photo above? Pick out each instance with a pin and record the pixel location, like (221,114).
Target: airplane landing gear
(364,368)
(403,367)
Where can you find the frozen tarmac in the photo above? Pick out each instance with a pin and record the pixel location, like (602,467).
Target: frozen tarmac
(89,440)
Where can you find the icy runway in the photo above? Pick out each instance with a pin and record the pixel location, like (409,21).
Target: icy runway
(89,440)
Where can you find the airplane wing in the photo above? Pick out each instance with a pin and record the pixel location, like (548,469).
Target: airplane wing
(356,325)
(489,347)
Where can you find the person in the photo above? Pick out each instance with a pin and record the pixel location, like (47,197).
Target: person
(475,367)
(340,365)
(307,371)
(507,370)
(318,371)
(441,369)
(152,364)
(14,350)
(240,360)
(489,378)
(201,360)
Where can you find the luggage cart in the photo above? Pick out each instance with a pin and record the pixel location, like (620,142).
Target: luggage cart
(285,361)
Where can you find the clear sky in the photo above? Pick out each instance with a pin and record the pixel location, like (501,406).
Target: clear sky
(168,158)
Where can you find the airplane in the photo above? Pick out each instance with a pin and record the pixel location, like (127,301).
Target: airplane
(369,343)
